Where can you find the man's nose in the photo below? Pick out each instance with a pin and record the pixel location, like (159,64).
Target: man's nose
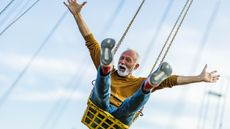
(122,61)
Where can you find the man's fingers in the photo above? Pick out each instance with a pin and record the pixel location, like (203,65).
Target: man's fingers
(67,5)
(214,78)
(205,67)
(217,77)
(213,72)
(83,4)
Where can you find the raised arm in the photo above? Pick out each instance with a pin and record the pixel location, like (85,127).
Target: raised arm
(204,76)
(91,43)
(75,8)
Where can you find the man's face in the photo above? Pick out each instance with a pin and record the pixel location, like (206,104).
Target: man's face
(127,63)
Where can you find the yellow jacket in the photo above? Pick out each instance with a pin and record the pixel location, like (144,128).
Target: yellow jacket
(121,87)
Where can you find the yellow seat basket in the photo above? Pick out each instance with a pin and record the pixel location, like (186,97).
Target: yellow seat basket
(96,118)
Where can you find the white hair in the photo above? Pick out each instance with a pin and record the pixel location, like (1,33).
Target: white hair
(136,53)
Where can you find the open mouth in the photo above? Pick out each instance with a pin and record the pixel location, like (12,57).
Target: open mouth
(122,68)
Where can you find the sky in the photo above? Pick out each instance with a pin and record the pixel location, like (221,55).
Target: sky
(46,71)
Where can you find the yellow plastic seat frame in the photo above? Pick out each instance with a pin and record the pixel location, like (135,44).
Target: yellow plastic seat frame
(96,118)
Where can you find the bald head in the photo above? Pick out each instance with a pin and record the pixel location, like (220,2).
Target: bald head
(132,53)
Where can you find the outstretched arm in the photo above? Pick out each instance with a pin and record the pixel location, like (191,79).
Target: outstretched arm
(91,43)
(75,8)
(204,76)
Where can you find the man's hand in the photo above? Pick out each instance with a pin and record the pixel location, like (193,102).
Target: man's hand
(74,7)
(209,76)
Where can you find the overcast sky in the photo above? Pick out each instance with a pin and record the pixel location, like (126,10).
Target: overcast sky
(46,71)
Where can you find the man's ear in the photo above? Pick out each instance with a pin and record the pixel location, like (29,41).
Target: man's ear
(136,66)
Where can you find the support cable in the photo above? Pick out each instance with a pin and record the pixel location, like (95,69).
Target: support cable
(13,85)
(4,9)
(14,21)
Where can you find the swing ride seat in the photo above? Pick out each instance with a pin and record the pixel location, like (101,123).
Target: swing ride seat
(96,118)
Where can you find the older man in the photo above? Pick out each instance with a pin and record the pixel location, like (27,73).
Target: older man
(117,90)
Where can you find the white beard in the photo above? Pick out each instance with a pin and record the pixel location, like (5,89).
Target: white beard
(123,73)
